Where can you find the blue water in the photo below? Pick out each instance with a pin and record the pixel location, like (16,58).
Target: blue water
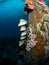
(47,1)
(11,11)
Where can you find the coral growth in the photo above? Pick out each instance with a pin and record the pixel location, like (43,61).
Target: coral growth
(38,30)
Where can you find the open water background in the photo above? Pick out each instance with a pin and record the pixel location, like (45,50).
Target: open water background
(11,11)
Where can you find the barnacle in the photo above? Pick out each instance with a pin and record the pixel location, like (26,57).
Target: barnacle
(22,22)
(23,28)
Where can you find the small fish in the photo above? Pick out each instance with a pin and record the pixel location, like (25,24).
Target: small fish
(22,22)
